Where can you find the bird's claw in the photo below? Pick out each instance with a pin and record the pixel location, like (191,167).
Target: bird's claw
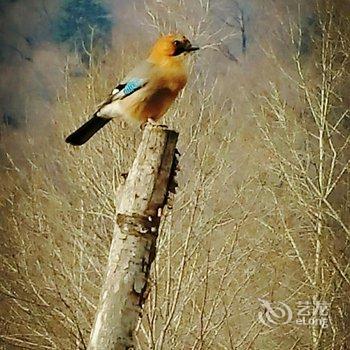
(153,123)
(150,121)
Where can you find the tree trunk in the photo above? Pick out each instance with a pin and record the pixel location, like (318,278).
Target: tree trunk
(133,246)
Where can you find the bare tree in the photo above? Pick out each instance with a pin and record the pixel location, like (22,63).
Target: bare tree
(261,210)
(309,146)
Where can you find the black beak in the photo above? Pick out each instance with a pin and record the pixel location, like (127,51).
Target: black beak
(190,48)
(193,48)
(184,47)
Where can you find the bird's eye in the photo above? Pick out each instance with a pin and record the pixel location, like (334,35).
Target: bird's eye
(177,42)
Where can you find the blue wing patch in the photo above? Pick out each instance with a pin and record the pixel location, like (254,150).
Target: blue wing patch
(132,86)
(123,90)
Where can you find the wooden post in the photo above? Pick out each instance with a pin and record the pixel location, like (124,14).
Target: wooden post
(134,241)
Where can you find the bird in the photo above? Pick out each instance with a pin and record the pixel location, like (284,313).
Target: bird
(147,92)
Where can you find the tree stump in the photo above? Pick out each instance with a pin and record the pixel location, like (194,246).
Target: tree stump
(133,247)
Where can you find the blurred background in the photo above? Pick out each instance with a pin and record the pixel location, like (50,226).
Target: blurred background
(262,207)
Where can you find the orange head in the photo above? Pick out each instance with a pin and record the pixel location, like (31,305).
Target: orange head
(171,46)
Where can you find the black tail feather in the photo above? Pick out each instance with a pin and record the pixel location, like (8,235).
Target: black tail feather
(87,130)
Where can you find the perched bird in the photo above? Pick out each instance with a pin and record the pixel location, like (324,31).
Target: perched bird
(148,90)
